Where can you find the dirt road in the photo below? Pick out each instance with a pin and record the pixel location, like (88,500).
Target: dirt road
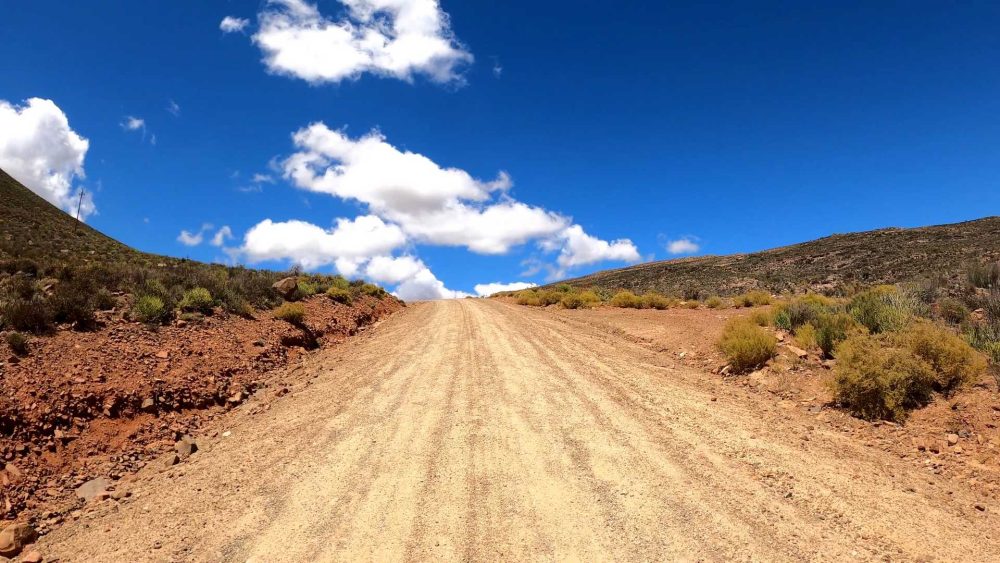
(477,430)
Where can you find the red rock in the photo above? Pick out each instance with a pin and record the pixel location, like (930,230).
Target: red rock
(15,537)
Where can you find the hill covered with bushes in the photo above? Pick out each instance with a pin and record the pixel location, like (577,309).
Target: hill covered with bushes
(825,265)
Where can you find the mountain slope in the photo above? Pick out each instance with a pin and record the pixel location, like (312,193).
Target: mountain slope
(882,256)
(31,227)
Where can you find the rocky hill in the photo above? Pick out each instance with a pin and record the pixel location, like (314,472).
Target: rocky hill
(31,227)
(828,264)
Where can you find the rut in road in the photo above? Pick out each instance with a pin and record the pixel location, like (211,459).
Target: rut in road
(479,430)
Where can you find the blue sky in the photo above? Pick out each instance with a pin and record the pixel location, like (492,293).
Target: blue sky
(483,141)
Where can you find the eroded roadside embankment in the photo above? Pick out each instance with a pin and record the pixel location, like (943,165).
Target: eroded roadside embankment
(106,403)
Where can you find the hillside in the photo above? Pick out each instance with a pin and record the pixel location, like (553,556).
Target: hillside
(882,256)
(31,227)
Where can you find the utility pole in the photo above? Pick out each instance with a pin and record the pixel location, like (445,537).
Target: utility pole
(79,206)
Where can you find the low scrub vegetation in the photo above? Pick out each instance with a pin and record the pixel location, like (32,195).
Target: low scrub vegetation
(37,296)
(340,295)
(149,309)
(18,343)
(883,309)
(876,380)
(753,299)
(746,345)
(197,300)
(580,300)
(292,313)
(626,300)
(885,375)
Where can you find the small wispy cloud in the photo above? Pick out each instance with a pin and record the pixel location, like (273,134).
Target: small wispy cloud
(684,245)
(188,238)
(230,24)
(222,235)
(173,108)
(132,123)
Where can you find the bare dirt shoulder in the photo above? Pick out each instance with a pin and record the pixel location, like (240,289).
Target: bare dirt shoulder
(957,438)
(82,405)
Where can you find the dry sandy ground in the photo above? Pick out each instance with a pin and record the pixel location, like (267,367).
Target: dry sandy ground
(479,430)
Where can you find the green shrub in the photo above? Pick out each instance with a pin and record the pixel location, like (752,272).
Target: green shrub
(150,309)
(293,313)
(746,345)
(806,337)
(690,304)
(627,300)
(882,309)
(753,299)
(104,300)
(197,300)
(832,329)
(875,380)
(985,337)
(18,343)
(954,361)
(653,300)
(714,302)
(761,317)
(29,315)
(373,290)
(340,282)
(339,295)
(306,288)
(952,310)
(580,300)
(73,307)
(781,318)
(985,276)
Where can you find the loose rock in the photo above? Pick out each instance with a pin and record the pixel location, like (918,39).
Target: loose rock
(94,488)
(15,537)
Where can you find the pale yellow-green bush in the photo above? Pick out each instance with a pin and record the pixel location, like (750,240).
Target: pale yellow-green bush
(293,313)
(954,361)
(876,380)
(746,345)
(753,299)
(653,300)
(626,299)
(580,300)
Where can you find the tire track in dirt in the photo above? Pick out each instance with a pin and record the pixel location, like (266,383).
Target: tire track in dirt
(477,430)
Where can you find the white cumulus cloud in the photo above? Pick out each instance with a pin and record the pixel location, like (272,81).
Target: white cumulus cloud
(40,150)
(393,38)
(230,24)
(393,270)
(683,246)
(413,279)
(431,203)
(579,248)
(487,289)
(347,245)
(424,286)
